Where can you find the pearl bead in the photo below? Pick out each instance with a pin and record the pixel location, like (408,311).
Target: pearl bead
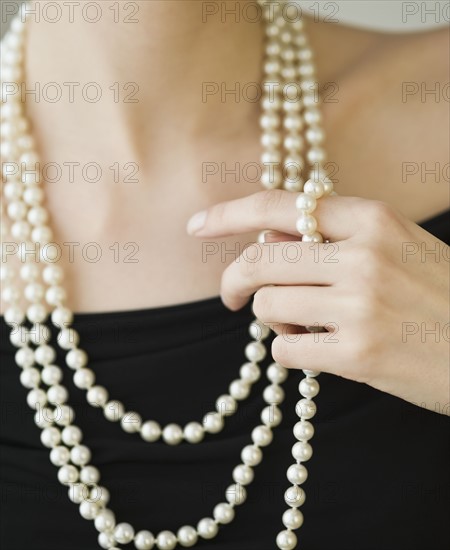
(68,338)
(312,116)
(251,455)
(44,355)
(90,475)
(294,496)
(293,143)
(303,430)
(36,398)
(105,520)
(236,494)
(17,210)
(314,188)
(37,215)
(302,451)
(97,396)
(187,536)
(37,313)
(172,434)
(106,540)
(250,373)
(76,358)
(292,122)
(144,540)
(19,337)
(306,203)
(239,389)
(62,317)
(306,224)
(309,387)
(273,394)
(53,275)
(262,436)
(13,189)
(243,474)
(24,357)
(42,235)
(150,431)
(314,135)
(297,474)
(166,540)
(78,492)
(14,316)
(276,373)
(270,139)
(55,295)
(271,416)
(30,377)
(328,186)
(72,435)
(313,238)
(286,540)
(21,230)
(51,375)
(64,415)
(226,405)
(270,157)
(193,432)
(258,330)
(271,179)
(84,378)
(270,121)
(80,455)
(292,518)
(50,437)
(57,394)
(88,510)
(100,495)
(131,422)
(59,456)
(34,292)
(43,417)
(67,474)
(223,513)
(207,528)
(213,422)
(255,351)
(33,195)
(306,409)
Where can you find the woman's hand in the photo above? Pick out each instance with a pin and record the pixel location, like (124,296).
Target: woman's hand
(380,287)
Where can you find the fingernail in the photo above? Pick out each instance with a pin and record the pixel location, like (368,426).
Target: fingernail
(196,223)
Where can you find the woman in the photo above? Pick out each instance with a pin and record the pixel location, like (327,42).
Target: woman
(170,107)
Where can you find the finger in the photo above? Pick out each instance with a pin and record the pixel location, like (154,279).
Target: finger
(338,217)
(277,236)
(290,263)
(300,305)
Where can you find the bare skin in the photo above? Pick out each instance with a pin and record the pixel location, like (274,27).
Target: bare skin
(170,132)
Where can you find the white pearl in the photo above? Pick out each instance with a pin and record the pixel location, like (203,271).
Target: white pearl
(53,275)
(166,540)
(255,351)
(293,143)
(314,135)
(76,358)
(271,179)
(172,434)
(57,394)
(292,122)
(97,396)
(262,436)
(84,378)
(250,373)
(100,495)
(90,475)
(243,474)
(68,338)
(51,375)
(236,494)
(34,292)
(239,389)
(55,295)
(270,139)
(144,540)
(19,337)
(62,317)
(37,313)
(271,416)
(64,415)
(33,195)
(17,210)
(106,540)
(72,435)
(223,513)
(50,437)
(297,474)
(316,154)
(294,496)
(314,188)
(105,520)
(14,316)
(328,186)
(251,455)
(43,417)
(44,355)
(312,116)
(13,190)
(36,398)
(207,528)
(39,334)
(78,492)
(286,540)
(89,510)
(187,536)
(315,237)
(273,394)
(59,455)
(80,455)
(193,432)
(114,411)
(42,235)
(303,430)
(150,431)
(306,203)
(30,378)
(309,387)
(292,518)
(213,422)
(306,224)
(276,373)
(67,474)
(258,330)
(24,357)
(21,230)
(306,409)
(131,422)
(302,451)
(37,215)
(270,121)
(271,157)
(226,405)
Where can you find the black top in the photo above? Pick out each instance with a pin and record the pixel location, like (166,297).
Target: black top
(378,478)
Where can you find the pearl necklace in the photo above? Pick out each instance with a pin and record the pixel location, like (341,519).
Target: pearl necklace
(288,64)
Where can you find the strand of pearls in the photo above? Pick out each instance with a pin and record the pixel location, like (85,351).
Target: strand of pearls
(288,59)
